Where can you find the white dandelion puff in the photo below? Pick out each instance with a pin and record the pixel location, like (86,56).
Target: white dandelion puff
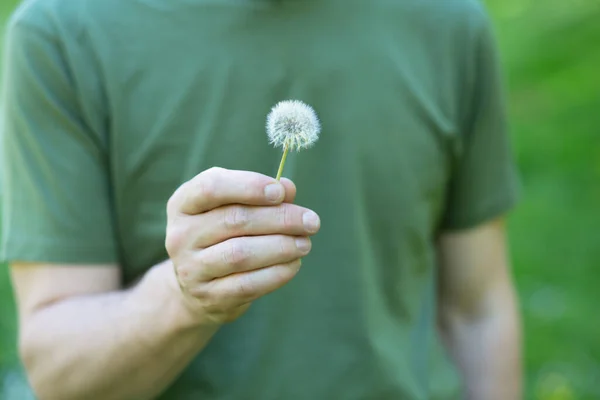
(293,124)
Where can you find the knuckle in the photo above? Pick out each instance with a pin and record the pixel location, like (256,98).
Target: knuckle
(236,218)
(201,261)
(175,239)
(208,295)
(173,202)
(236,254)
(200,292)
(214,171)
(214,305)
(206,182)
(206,188)
(286,247)
(244,289)
(183,276)
(286,218)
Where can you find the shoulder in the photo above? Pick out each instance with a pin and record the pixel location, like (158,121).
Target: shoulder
(41,32)
(44,16)
(49,51)
(58,18)
(450,25)
(464,17)
(468,12)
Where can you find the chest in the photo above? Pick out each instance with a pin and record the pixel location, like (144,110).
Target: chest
(387,104)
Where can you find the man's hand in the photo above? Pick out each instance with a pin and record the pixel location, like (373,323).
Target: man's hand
(234,236)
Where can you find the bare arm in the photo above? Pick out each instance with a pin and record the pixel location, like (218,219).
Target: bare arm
(478,312)
(83,337)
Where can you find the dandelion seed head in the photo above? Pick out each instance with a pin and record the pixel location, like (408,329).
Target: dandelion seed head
(293,123)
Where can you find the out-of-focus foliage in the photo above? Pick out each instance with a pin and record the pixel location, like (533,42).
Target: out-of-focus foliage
(551,53)
(551,50)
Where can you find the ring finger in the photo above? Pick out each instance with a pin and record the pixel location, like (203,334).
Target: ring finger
(249,253)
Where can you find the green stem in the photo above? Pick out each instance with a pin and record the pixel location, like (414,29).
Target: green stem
(285,153)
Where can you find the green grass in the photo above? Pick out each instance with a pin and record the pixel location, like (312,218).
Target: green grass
(552,57)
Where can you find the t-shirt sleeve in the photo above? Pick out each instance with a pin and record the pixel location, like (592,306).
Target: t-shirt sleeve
(56,195)
(484,182)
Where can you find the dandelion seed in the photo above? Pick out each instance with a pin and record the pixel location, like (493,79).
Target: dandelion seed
(292,125)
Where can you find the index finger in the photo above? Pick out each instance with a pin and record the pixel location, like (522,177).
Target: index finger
(217,187)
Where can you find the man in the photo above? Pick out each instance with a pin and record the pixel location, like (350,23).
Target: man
(153,255)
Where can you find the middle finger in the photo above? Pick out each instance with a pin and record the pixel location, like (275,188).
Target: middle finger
(232,221)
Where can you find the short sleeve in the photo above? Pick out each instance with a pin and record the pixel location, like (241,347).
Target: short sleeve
(56,192)
(484,182)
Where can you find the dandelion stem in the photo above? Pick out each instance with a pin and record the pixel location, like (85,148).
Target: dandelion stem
(285,153)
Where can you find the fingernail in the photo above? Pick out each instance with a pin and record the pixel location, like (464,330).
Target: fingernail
(311,221)
(303,244)
(274,192)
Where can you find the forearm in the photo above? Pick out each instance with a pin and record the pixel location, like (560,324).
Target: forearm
(122,345)
(487,348)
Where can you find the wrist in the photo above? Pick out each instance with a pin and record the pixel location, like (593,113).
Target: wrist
(183,314)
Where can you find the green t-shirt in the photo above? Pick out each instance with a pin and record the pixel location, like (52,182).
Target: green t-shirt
(110,105)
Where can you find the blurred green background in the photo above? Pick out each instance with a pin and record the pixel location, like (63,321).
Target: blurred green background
(551,53)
